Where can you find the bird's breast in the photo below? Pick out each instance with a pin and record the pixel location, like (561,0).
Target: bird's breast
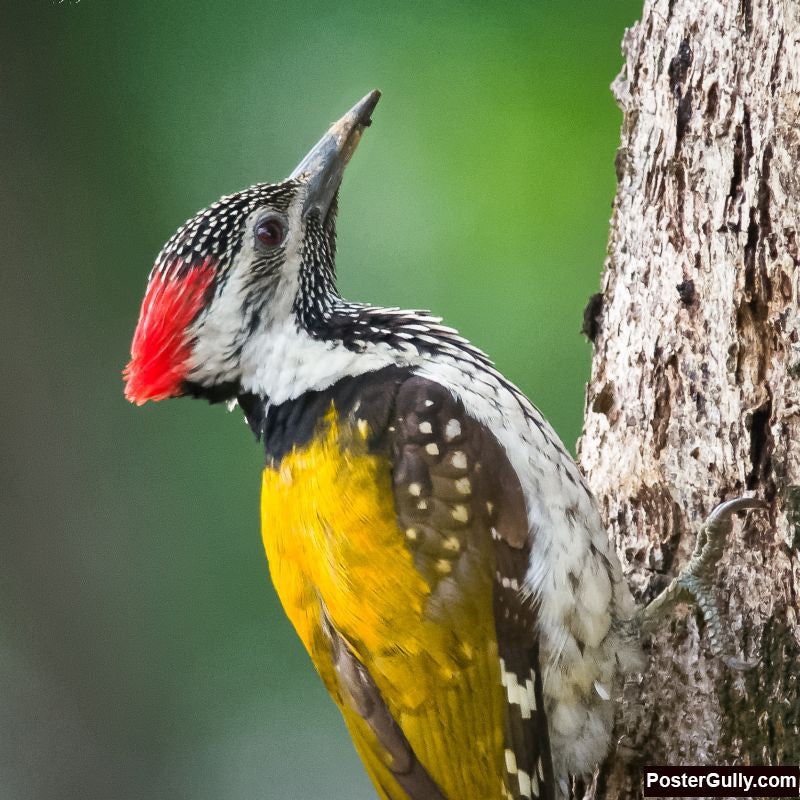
(331,535)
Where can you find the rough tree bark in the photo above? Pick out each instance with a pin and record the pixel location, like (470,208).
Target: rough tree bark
(695,388)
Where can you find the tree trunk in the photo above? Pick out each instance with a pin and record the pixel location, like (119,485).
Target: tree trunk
(695,388)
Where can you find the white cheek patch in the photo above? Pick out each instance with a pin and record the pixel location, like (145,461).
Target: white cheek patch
(215,333)
(219,332)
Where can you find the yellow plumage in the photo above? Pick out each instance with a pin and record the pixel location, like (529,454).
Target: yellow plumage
(332,539)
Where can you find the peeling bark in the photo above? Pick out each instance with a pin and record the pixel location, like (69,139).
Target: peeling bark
(695,388)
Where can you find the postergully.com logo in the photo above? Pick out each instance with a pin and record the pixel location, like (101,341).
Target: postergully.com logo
(721,781)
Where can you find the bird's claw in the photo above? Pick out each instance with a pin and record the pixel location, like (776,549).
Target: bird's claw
(695,581)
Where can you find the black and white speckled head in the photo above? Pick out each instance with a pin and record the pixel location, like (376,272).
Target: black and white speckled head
(239,269)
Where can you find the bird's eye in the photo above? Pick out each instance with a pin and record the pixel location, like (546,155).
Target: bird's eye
(271,231)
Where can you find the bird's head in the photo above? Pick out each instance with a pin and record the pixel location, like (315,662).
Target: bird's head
(251,263)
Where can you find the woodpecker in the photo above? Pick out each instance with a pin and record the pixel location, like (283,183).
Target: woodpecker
(436,548)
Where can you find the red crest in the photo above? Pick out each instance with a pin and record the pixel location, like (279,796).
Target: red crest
(161,346)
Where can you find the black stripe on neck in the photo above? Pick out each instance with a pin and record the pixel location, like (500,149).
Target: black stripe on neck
(291,424)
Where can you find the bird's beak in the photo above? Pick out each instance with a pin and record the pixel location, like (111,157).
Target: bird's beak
(324,165)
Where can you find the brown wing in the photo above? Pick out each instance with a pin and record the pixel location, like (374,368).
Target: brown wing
(456,490)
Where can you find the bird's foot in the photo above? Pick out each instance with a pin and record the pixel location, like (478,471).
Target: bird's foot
(696,581)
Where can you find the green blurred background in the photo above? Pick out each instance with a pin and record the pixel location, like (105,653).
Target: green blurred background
(143,653)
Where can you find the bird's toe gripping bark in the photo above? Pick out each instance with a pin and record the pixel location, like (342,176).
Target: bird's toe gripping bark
(695,581)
